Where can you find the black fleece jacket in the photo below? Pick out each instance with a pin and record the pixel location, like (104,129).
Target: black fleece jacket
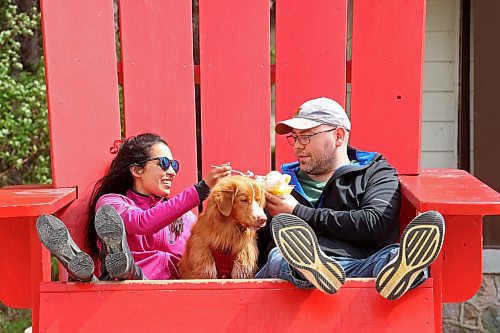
(358,212)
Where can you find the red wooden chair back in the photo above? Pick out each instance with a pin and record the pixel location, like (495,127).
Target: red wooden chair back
(158,85)
(235,125)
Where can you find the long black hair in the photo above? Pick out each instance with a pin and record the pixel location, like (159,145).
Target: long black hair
(118,178)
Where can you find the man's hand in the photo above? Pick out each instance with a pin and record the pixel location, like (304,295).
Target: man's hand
(277,205)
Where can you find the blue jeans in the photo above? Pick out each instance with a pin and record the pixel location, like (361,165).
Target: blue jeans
(277,267)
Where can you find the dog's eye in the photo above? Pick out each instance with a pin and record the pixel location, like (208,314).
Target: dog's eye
(245,200)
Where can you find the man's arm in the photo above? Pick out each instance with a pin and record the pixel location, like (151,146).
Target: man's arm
(374,224)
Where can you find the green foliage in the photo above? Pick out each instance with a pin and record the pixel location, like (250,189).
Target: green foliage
(13,320)
(24,139)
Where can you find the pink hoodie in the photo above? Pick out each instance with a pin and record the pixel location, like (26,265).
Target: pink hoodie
(146,220)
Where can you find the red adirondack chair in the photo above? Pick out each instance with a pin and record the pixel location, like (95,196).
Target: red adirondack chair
(159,95)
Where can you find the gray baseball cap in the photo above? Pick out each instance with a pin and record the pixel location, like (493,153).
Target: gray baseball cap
(319,111)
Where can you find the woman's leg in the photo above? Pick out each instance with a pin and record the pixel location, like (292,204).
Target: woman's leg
(118,260)
(56,238)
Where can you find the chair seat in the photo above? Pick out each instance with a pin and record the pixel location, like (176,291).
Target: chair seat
(266,305)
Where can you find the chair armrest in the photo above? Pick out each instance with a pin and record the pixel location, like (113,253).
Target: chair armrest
(24,263)
(463,200)
(26,201)
(451,192)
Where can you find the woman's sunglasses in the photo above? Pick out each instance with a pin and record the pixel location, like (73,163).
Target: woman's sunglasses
(165,163)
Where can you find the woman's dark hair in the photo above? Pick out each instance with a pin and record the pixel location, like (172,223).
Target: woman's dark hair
(118,179)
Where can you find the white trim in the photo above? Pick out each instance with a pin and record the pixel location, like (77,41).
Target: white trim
(491,261)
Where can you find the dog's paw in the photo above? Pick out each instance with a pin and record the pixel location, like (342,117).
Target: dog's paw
(241,271)
(208,272)
(198,272)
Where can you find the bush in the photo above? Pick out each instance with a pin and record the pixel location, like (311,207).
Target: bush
(13,320)
(24,139)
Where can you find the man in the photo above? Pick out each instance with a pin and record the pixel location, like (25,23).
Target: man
(342,218)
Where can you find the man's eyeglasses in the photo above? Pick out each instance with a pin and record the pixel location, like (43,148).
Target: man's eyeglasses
(304,139)
(165,163)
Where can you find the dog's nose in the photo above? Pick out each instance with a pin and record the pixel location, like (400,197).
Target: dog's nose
(260,217)
(261,220)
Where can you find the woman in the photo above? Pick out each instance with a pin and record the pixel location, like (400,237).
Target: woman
(140,231)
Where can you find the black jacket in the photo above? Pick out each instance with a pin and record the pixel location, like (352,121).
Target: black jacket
(358,212)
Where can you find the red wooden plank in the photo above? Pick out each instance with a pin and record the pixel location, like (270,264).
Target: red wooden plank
(310,58)
(20,202)
(462,258)
(23,265)
(235,84)
(158,83)
(228,306)
(15,284)
(451,192)
(82,93)
(82,87)
(220,284)
(387,62)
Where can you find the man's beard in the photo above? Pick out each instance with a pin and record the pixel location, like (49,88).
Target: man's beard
(323,164)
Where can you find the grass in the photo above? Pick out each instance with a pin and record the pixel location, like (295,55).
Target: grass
(14,320)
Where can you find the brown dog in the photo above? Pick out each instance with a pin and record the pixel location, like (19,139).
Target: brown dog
(223,242)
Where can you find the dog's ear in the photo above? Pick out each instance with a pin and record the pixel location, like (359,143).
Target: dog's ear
(224,201)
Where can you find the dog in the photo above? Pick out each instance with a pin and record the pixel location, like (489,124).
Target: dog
(223,243)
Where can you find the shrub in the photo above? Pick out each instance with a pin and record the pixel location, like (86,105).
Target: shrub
(24,139)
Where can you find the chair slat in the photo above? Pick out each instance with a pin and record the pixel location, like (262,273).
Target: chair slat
(235,84)
(310,57)
(82,93)
(387,62)
(158,77)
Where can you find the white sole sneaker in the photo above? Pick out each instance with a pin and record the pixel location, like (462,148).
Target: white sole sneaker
(420,245)
(299,246)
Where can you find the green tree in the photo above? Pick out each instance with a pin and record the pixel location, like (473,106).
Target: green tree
(24,139)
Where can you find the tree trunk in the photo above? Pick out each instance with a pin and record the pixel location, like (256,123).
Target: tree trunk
(30,45)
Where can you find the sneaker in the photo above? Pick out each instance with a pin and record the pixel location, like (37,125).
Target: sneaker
(110,228)
(299,246)
(56,238)
(420,245)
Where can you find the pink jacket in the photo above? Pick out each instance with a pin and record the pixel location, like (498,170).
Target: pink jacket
(147,220)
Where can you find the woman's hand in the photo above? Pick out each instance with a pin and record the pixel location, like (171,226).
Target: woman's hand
(217,173)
